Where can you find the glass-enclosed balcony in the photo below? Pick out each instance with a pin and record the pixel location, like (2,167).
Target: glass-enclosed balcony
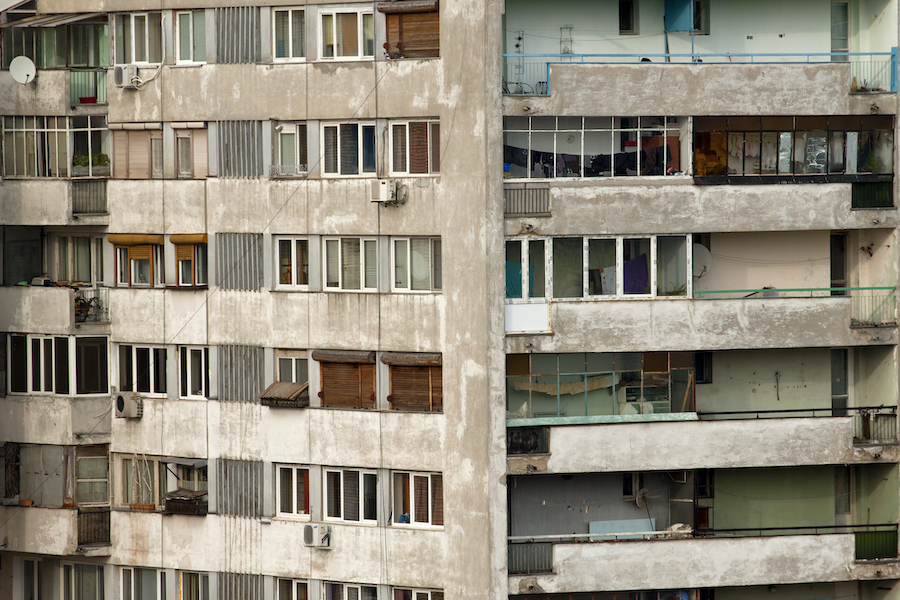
(539,38)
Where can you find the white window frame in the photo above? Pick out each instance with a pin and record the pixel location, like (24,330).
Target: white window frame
(361,473)
(360,40)
(43,359)
(157,487)
(186,377)
(360,128)
(434,267)
(297,167)
(396,519)
(294,584)
(67,581)
(294,471)
(405,170)
(525,246)
(345,591)
(200,257)
(68,269)
(418,593)
(158,263)
(153,352)
(33,142)
(363,264)
(105,457)
(289,43)
(192,59)
(294,242)
(31,572)
(129,590)
(293,357)
(145,34)
(202,583)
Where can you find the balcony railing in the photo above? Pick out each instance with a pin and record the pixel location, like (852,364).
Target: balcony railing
(529,74)
(89,196)
(533,557)
(287,171)
(87,86)
(870,306)
(92,305)
(93,526)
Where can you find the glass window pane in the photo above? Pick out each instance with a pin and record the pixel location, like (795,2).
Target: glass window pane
(201,263)
(601,267)
(371,256)
(196,375)
(513,269)
(284,262)
(568,268)
(350,264)
(327,36)
(286,495)
(302,264)
(285,369)
(368,35)
(369,496)
(368,148)
(184,36)
(401,266)
(288,149)
(671,266)
(636,268)
(302,370)
(298,34)
(184,156)
(199,35)
(332,264)
(142,370)
(420,263)
(536,275)
(282,25)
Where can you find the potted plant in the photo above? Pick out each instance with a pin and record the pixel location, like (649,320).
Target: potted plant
(81,165)
(100,161)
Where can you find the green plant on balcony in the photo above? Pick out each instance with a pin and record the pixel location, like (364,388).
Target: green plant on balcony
(80,160)
(100,160)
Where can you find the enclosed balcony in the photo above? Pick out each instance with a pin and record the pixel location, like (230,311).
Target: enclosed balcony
(539,40)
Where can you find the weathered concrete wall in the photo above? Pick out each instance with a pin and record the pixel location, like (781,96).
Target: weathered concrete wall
(694,563)
(35,202)
(157,316)
(651,325)
(30,309)
(39,530)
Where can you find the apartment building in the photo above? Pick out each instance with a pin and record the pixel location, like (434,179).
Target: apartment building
(403,300)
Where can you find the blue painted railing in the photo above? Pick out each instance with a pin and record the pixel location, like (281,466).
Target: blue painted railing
(529,74)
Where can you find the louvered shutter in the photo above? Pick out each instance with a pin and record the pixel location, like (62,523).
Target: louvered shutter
(392,22)
(200,153)
(418,147)
(398,146)
(416,388)
(139,155)
(437,389)
(367,386)
(435,147)
(120,154)
(351,495)
(421,34)
(340,385)
(437,500)
(303,491)
(349,149)
(420,498)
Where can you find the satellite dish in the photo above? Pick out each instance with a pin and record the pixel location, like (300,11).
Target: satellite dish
(702,260)
(22,69)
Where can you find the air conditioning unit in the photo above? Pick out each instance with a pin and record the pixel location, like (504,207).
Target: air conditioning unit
(317,535)
(125,76)
(383,190)
(129,405)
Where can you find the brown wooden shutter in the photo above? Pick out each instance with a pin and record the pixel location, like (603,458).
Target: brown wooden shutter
(367,385)
(418,147)
(200,153)
(184,252)
(411,388)
(138,155)
(437,389)
(393,35)
(303,491)
(420,498)
(420,34)
(435,147)
(120,154)
(340,385)
(437,500)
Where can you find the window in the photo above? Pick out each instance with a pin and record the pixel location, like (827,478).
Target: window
(347,378)
(191,259)
(42,364)
(292,366)
(140,260)
(143,482)
(414,594)
(350,495)
(90,146)
(191,150)
(416,264)
(628,24)
(91,475)
(137,154)
(194,478)
(290,34)
(291,159)
(142,369)
(194,371)
(292,589)
(701,17)
(139,38)
(550,147)
(79,259)
(35,147)
(293,262)
(819,148)
(415,147)
(348,35)
(32,579)
(416,381)
(526,268)
(411,34)
(418,499)
(194,586)
(347,591)
(292,491)
(349,149)
(82,582)
(81,44)
(142,584)
(351,264)
(190,31)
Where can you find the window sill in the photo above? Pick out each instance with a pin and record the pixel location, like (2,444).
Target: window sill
(405,291)
(418,526)
(292,290)
(297,60)
(519,301)
(187,65)
(333,521)
(188,288)
(293,518)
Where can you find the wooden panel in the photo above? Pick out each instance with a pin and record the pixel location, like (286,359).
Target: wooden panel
(200,153)
(413,35)
(416,388)
(418,147)
(138,155)
(184,252)
(120,154)
(340,385)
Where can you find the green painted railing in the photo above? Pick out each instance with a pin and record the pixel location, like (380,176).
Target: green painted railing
(869,306)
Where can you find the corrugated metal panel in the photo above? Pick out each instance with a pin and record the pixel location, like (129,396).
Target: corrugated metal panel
(93,526)
(239,487)
(238,35)
(527,201)
(530,558)
(240,373)
(240,586)
(239,261)
(89,196)
(240,148)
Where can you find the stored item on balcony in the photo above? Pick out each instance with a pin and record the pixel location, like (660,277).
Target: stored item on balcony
(88,99)
(286,394)
(187,502)
(22,70)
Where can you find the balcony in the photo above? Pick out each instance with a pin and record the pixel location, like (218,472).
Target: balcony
(93,528)
(91,305)
(87,87)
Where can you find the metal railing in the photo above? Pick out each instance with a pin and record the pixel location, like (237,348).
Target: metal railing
(287,171)
(89,196)
(529,74)
(92,305)
(535,557)
(874,309)
(877,544)
(93,526)
(87,86)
